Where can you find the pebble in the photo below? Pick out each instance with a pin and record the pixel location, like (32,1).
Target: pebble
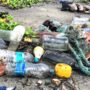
(56,81)
(39,82)
(48,82)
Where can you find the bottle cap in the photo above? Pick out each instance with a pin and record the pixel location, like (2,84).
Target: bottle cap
(36,60)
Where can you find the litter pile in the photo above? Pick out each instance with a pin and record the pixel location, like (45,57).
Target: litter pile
(74,7)
(65,47)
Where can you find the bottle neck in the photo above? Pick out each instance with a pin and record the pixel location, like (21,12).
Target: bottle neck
(36,60)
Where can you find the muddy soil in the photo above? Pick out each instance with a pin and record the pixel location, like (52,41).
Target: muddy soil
(34,16)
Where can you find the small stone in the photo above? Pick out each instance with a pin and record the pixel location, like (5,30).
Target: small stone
(48,82)
(56,82)
(29,83)
(39,82)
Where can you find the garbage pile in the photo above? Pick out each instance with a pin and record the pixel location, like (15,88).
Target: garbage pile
(58,44)
(66,47)
(69,5)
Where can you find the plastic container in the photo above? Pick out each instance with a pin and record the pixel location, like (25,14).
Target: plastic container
(14,36)
(63,70)
(40,70)
(11,56)
(55,43)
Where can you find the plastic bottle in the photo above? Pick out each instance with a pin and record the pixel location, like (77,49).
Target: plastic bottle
(57,57)
(59,43)
(14,36)
(11,56)
(39,70)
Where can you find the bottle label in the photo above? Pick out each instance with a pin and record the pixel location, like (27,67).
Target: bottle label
(19,56)
(20,68)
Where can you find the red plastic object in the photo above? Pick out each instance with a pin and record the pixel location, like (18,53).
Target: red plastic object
(2,69)
(88,56)
(87,37)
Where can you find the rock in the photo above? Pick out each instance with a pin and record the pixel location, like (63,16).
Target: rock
(39,82)
(29,82)
(48,82)
(56,81)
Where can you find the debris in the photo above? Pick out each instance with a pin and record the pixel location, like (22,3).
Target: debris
(38,52)
(80,22)
(77,52)
(63,70)
(56,57)
(2,44)
(88,56)
(51,25)
(65,4)
(47,82)
(56,81)
(39,82)
(55,43)
(2,68)
(11,56)
(40,70)
(75,7)
(14,37)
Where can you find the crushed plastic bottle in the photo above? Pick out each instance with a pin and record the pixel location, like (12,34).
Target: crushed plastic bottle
(56,57)
(39,70)
(55,43)
(11,56)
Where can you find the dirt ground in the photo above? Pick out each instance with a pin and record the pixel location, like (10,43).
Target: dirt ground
(34,16)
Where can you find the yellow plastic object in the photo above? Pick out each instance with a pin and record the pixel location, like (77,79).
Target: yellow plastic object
(63,70)
(26,39)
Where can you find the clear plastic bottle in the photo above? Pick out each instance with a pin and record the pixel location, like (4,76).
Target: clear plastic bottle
(11,56)
(39,70)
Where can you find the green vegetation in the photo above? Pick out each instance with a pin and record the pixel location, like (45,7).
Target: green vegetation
(6,22)
(15,4)
(29,32)
(84,1)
